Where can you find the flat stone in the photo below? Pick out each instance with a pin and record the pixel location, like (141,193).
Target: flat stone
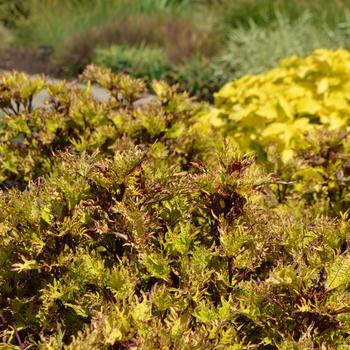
(97,92)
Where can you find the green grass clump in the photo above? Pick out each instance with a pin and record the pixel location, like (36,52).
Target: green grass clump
(253,49)
(41,24)
(141,62)
(133,225)
(198,76)
(5,37)
(265,12)
(12,11)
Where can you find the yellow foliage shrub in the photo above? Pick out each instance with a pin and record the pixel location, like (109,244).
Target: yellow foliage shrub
(277,107)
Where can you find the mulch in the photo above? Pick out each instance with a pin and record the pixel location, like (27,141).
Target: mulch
(30,61)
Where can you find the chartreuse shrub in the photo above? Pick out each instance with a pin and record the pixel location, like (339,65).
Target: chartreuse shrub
(276,108)
(318,173)
(133,225)
(296,118)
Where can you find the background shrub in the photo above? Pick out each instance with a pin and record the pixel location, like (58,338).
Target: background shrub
(236,37)
(179,37)
(141,62)
(12,11)
(5,37)
(252,49)
(198,76)
(264,13)
(41,24)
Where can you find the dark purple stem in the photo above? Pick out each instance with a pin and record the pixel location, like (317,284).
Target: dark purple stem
(21,345)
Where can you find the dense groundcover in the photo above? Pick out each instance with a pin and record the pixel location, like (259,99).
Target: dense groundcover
(142,225)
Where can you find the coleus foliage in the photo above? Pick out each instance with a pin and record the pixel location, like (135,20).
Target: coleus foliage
(127,225)
(295,117)
(278,106)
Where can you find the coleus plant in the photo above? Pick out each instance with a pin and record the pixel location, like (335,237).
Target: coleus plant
(128,226)
(278,106)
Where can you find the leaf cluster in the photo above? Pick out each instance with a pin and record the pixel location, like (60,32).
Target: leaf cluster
(137,225)
(295,117)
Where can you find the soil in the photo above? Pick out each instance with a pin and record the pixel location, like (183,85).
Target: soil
(30,61)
